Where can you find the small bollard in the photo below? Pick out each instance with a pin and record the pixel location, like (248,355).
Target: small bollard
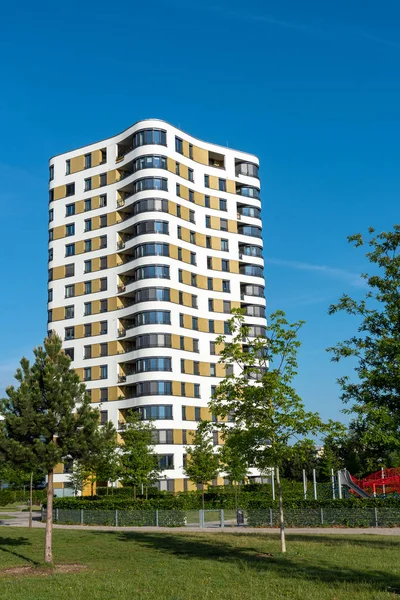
(222,517)
(116,517)
(81,516)
(156,517)
(376,516)
(322,516)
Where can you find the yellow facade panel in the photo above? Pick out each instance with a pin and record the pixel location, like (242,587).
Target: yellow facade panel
(232,226)
(77,164)
(214,222)
(171,207)
(59,232)
(174,296)
(184,171)
(213,182)
(214,203)
(185,148)
(231,186)
(59,192)
(190,413)
(59,272)
(79,288)
(203,325)
(176,388)
(219,326)
(177,439)
(79,331)
(58,313)
(200,155)
(199,199)
(111,177)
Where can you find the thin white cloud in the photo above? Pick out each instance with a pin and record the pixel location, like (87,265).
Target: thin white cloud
(353,278)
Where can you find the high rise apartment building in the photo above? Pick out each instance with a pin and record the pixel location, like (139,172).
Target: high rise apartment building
(154,236)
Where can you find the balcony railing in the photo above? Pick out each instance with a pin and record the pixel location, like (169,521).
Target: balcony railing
(121,289)
(121,378)
(121,333)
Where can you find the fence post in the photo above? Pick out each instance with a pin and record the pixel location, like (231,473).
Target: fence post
(270,517)
(56,515)
(156,517)
(322,516)
(201,518)
(333,483)
(222,517)
(116,517)
(376,516)
(314,477)
(339,479)
(304,484)
(81,516)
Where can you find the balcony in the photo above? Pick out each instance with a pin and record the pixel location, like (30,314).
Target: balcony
(216,160)
(246,168)
(121,333)
(248,211)
(248,190)
(121,378)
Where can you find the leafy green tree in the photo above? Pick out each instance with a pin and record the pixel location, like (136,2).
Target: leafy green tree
(373,395)
(202,463)
(259,396)
(104,462)
(79,476)
(139,463)
(301,456)
(47,418)
(234,461)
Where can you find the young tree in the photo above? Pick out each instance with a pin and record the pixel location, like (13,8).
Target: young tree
(375,347)
(79,477)
(260,397)
(202,463)
(234,460)
(139,463)
(48,418)
(107,461)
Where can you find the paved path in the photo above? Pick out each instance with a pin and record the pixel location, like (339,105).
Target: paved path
(21,519)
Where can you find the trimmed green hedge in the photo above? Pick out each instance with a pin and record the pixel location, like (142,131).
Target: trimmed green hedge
(11,496)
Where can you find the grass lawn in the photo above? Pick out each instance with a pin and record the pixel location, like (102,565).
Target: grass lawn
(200,566)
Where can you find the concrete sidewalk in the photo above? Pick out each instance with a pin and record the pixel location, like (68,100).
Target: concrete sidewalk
(21,519)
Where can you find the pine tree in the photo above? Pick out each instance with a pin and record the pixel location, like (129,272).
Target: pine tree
(48,418)
(202,462)
(139,463)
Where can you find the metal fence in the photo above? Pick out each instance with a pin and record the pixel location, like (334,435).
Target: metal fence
(302,517)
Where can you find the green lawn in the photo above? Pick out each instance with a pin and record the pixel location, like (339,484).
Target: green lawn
(200,566)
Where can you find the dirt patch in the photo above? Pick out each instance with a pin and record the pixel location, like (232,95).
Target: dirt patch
(41,571)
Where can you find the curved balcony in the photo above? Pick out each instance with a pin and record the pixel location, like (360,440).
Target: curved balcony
(248,211)
(252,270)
(247,190)
(248,169)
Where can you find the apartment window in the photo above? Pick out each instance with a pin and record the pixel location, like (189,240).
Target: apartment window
(196,368)
(103,349)
(229,370)
(49,316)
(178,211)
(88,329)
(192,216)
(87,266)
(88,225)
(183,389)
(103,179)
(50,254)
(51,195)
(195,323)
(69,352)
(103,241)
(191,175)
(225,245)
(87,184)
(178,189)
(223,224)
(88,245)
(211,305)
(179,253)
(103,200)
(227,306)
(209,262)
(179,145)
(51,172)
(51,214)
(88,161)
(195,345)
(87,351)
(88,204)
(183,413)
(180,277)
(215,438)
(181,322)
(222,185)
(206,181)
(69,333)
(69,249)
(181,298)
(50,295)
(191,151)
(225,265)
(226,286)
(209,283)
(89,393)
(103,327)
(103,305)
(191,196)
(211,326)
(182,365)
(68,167)
(194,301)
(70,229)
(51,235)
(207,201)
(103,395)
(208,221)
(227,330)
(193,280)
(177,168)
(184,435)
(103,155)
(213,390)
(208,242)
(103,284)
(70,189)
(182,342)
(223,205)
(103,371)
(69,210)
(88,287)
(87,309)
(103,417)
(69,291)
(103,221)
(197,413)
(212,348)
(192,237)
(69,312)
(103,262)
(179,232)
(196,391)
(87,373)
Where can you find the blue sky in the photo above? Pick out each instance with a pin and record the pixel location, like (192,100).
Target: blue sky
(312,88)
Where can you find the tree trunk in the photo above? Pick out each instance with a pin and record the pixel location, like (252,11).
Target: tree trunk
(134,492)
(281,520)
(236,496)
(202,495)
(92,487)
(30,499)
(48,550)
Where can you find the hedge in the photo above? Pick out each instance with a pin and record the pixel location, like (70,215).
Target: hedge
(12,496)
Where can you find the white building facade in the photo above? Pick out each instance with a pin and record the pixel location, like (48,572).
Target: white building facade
(154,236)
